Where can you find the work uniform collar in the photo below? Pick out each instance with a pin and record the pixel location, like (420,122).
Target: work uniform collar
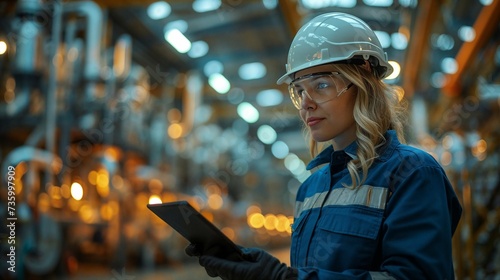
(328,155)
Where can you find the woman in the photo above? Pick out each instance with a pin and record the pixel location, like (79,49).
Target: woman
(374,208)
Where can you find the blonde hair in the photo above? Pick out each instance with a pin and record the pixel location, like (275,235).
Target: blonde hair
(378,108)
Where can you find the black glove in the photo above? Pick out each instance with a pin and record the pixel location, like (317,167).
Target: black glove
(258,264)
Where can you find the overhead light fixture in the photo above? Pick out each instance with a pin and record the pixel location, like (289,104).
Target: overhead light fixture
(269,97)
(266,134)
(198,49)
(252,71)
(438,80)
(248,112)
(219,83)
(159,10)
(395,73)
(315,4)
(202,6)
(213,66)
(378,3)
(179,24)
(270,4)
(399,41)
(178,40)
(409,3)
(466,33)
(449,65)
(293,163)
(3,47)
(384,38)
(154,199)
(280,149)
(76,191)
(443,42)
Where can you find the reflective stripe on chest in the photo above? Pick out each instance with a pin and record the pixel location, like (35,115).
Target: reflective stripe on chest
(366,195)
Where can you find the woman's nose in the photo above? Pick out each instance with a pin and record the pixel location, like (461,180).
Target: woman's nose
(307,103)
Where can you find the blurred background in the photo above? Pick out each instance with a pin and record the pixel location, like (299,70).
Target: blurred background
(106,106)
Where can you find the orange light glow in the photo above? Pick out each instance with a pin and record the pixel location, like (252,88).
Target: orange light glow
(215,201)
(76,191)
(175,131)
(256,220)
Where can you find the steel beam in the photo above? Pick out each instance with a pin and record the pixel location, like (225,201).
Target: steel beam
(486,23)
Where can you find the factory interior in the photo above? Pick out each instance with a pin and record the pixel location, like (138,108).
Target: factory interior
(107,106)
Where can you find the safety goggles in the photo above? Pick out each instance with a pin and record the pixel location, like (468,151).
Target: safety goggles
(318,87)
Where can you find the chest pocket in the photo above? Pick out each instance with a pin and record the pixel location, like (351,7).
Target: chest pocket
(298,223)
(356,221)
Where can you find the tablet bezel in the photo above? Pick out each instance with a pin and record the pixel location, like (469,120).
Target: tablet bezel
(193,226)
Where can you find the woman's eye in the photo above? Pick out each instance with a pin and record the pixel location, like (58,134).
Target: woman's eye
(322,85)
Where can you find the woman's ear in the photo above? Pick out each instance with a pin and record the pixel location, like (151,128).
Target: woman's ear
(367,66)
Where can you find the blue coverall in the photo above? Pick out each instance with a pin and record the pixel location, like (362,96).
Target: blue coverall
(397,225)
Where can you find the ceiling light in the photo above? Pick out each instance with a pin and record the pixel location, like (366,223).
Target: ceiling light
(378,3)
(269,97)
(252,71)
(443,42)
(159,10)
(76,191)
(202,6)
(3,47)
(310,4)
(266,134)
(395,73)
(449,65)
(212,67)
(270,4)
(218,82)
(248,112)
(280,149)
(178,40)
(292,161)
(384,38)
(198,49)
(438,80)
(399,41)
(467,33)
(346,3)
(319,4)
(180,25)
(154,199)
(408,3)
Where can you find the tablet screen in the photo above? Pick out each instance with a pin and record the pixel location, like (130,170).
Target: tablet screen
(191,224)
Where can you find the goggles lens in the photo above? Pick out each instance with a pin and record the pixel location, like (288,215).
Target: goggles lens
(318,87)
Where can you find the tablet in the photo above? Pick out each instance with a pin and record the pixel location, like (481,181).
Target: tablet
(191,224)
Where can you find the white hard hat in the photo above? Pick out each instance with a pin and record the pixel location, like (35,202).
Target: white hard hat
(335,38)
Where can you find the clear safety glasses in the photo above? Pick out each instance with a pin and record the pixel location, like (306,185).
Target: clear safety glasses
(318,87)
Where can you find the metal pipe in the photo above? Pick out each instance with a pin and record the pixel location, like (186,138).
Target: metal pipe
(93,13)
(50,102)
(27,63)
(31,154)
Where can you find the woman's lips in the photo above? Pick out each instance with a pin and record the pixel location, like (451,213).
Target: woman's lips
(313,121)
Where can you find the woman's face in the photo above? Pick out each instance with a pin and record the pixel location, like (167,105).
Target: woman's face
(332,119)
